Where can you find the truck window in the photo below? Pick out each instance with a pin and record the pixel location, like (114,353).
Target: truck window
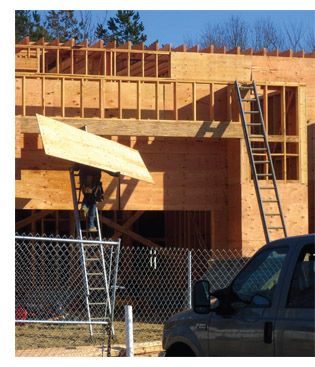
(301,293)
(261,275)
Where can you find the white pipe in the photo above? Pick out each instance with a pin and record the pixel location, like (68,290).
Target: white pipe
(129,331)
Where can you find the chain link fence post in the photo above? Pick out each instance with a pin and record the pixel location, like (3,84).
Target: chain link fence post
(189,279)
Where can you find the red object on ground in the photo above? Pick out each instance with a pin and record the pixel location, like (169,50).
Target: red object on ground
(20,314)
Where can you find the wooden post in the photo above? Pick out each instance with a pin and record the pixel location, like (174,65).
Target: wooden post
(119,99)
(194,101)
(72,62)
(156,65)
(142,65)
(211,102)
(86,62)
(62,97)
(157,100)
(57,61)
(128,64)
(283,124)
(43,60)
(102,96)
(82,98)
(175,102)
(104,62)
(138,100)
(23,96)
(43,97)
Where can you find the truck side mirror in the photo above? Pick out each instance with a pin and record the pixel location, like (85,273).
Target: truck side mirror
(201,297)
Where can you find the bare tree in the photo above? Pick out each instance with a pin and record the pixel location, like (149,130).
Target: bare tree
(213,34)
(310,41)
(295,33)
(87,26)
(237,33)
(267,35)
(188,41)
(231,33)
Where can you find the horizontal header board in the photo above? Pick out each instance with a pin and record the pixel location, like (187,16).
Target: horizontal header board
(67,142)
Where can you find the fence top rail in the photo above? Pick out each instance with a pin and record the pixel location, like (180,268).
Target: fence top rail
(62,322)
(67,240)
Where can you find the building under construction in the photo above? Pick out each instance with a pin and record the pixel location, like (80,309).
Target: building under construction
(180,109)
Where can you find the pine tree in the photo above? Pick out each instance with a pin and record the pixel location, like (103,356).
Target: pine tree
(126,26)
(27,23)
(63,25)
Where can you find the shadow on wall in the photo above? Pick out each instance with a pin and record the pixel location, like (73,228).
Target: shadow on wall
(311,174)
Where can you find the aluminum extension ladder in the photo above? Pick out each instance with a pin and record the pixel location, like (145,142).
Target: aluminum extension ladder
(96,276)
(262,152)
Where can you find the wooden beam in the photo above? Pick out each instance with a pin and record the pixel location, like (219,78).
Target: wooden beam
(221,50)
(111,45)
(98,44)
(273,52)
(166,47)
(24,222)
(128,224)
(194,49)
(287,53)
(129,233)
(209,49)
(181,48)
(248,51)
(153,47)
(139,46)
(261,52)
(160,128)
(299,54)
(235,51)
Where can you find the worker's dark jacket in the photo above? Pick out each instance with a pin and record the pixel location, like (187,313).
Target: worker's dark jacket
(90,178)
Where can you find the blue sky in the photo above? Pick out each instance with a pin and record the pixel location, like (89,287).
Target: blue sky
(173,26)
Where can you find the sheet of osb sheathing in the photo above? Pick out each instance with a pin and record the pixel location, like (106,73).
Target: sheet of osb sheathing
(66,142)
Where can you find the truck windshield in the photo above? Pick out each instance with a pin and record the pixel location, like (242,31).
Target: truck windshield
(261,275)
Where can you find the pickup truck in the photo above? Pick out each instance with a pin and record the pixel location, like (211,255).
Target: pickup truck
(267,310)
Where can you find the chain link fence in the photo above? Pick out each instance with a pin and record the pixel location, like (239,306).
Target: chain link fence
(49,286)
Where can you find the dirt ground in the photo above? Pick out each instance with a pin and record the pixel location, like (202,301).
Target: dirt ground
(33,336)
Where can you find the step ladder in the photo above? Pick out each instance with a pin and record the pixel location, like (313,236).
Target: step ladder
(260,159)
(97,276)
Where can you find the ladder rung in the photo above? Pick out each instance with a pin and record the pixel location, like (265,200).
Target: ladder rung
(261,162)
(267,188)
(97,303)
(249,99)
(97,289)
(254,124)
(94,274)
(264,174)
(259,149)
(246,87)
(256,136)
(275,228)
(269,201)
(272,214)
(251,111)
(90,244)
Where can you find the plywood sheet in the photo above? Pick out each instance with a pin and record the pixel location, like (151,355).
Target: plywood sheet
(66,142)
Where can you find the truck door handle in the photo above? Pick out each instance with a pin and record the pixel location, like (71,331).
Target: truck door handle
(268,333)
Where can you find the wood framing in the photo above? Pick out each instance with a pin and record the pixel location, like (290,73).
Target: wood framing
(177,107)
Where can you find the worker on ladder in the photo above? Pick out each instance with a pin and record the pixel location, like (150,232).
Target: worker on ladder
(92,189)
